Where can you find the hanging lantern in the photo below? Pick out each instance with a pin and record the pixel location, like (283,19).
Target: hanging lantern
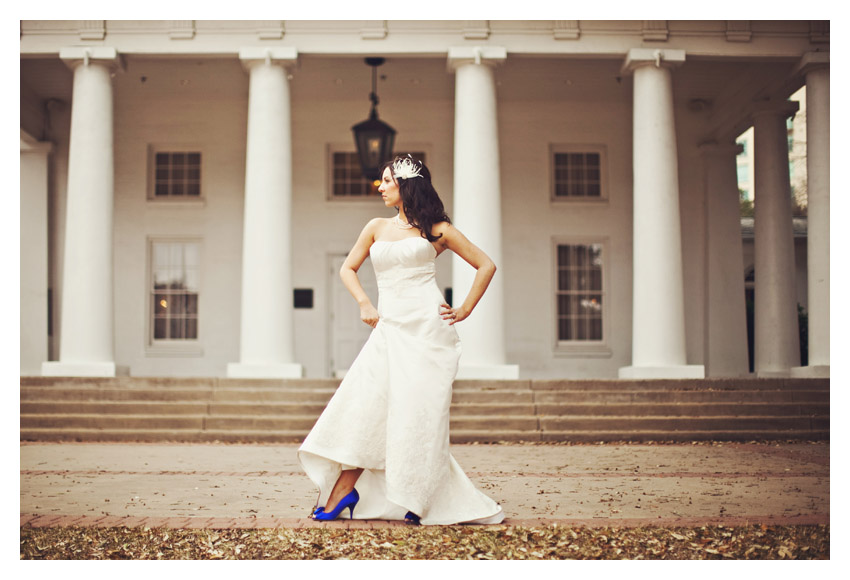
(374,138)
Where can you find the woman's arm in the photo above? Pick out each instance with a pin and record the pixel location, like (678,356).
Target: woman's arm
(455,241)
(352,263)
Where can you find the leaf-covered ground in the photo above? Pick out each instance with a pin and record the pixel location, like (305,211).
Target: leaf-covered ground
(434,543)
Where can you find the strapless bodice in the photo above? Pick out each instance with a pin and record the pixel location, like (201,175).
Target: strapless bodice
(404,263)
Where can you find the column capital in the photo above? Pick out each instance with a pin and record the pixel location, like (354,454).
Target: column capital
(659,57)
(74,56)
(286,56)
(489,55)
(713,148)
(782,109)
(812,61)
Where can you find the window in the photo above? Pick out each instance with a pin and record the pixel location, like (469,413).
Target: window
(579,294)
(578,172)
(347,181)
(175,277)
(175,174)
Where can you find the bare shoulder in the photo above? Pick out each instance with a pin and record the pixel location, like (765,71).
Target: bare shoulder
(375,226)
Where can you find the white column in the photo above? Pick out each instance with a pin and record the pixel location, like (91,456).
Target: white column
(658,311)
(267,347)
(816,68)
(86,345)
(726,312)
(477,209)
(33,299)
(777,339)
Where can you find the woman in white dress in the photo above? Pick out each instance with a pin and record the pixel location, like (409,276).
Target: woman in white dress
(387,426)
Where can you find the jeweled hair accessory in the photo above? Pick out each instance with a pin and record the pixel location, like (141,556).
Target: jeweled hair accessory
(405,168)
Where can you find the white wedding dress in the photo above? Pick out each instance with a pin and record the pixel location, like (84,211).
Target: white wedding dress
(390,414)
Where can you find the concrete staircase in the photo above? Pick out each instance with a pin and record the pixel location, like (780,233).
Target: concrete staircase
(279,411)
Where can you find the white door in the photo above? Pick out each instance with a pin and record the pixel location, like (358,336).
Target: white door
(347,332)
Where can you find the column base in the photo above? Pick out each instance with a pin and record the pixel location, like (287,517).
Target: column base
(265,371)
(814,372)
(498,372)
(671,372)
(77,369)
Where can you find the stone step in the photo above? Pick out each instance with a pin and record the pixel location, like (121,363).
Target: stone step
(627,396)
(496,423)
(251,409)
(603,423)
(675,409)
(176,394)
(735,384)
(214,409)
(159,435)
(92,421)
(239,408)
(457,436)
(637,436)
(322,396)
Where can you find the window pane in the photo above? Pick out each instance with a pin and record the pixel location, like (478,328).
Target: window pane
(595,280)
(172,303)
(175,255)
(582,281)
(563,280)
(173,169)
(159,332)
(160,304)
(564,329)
(176,327)
(579,298)
(577,174)
(563,305)
(595,329)
(563,255)
(191,255)
(581,255)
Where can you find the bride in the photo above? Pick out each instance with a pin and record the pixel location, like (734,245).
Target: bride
(386,429)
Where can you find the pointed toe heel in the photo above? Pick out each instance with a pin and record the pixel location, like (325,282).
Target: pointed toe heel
(348,501)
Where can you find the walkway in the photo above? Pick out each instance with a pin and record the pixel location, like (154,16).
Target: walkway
(258,486)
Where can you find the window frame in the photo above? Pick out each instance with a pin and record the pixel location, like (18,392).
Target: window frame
(583,348)
(173,200)
(601,150)
(171,347)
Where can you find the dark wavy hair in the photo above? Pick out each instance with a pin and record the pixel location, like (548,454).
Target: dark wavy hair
(422,205)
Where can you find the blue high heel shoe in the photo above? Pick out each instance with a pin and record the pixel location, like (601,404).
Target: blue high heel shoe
(348,501)
(411,518)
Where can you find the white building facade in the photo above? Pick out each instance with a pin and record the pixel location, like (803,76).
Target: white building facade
(187,192)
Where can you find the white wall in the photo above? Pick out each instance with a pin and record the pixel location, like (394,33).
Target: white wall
(532,223)
(180,102)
